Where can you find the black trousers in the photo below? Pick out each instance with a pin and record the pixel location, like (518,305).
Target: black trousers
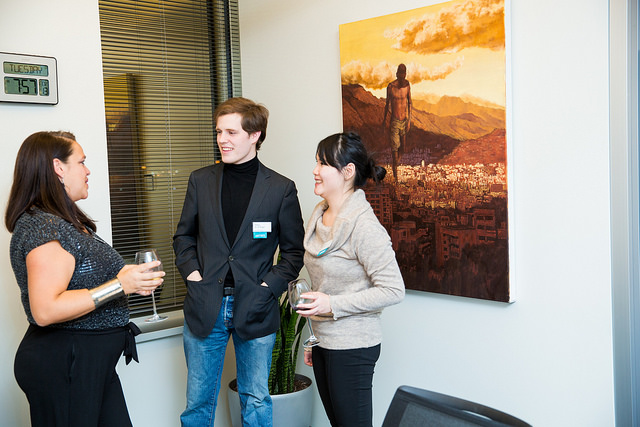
(345,380)
(69,377)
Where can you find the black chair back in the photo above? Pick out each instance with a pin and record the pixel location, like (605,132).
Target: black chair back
(414,407)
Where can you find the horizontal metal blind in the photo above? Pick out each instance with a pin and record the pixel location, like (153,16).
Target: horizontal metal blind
(166,64)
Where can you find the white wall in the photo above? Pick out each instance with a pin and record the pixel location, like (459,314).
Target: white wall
(547,358)
(72,38)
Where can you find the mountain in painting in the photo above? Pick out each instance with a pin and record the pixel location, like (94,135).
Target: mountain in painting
(438,128)
(487,149)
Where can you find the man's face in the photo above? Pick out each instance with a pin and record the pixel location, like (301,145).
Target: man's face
(401,74)
(236,145)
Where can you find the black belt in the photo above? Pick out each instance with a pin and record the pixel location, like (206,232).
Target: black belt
(227,291)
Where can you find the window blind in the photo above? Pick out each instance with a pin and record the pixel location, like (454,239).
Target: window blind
(166,64)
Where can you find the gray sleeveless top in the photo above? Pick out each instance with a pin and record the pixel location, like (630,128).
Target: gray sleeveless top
(96,263)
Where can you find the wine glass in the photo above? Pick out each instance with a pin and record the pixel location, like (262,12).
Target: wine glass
(142,257)
(297,288)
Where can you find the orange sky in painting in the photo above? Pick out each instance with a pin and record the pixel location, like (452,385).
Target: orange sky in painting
(455,48)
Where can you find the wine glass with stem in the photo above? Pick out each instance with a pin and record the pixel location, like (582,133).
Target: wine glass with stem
(142,257)
(296,289)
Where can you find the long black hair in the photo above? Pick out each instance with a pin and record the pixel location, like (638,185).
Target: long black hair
(340,149)
(35,183)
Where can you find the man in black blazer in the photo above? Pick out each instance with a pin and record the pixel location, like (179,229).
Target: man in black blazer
(236,213)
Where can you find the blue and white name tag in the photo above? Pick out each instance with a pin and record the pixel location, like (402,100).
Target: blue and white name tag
(260,230)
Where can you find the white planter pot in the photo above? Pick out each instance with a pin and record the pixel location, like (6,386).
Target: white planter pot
(289,410)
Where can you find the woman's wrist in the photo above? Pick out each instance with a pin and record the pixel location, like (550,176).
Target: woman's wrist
(106,292)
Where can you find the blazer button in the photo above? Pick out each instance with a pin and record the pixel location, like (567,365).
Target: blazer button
(230,257)
(220,280)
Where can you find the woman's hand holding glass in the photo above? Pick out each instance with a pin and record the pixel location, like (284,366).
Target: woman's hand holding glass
(296,290)
(320,303)
(140,279)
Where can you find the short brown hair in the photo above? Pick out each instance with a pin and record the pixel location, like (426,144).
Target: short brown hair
(254,116)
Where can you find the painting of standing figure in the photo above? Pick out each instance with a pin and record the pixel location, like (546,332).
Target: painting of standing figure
(427,91)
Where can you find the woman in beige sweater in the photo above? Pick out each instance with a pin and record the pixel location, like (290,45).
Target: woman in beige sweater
(354,275)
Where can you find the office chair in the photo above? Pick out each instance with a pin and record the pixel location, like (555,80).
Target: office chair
(414,407)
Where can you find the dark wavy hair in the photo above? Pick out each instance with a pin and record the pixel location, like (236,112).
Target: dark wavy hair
(35,183)
(340,149)
(254,116)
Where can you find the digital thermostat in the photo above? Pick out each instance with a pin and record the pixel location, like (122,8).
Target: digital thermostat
(28,78)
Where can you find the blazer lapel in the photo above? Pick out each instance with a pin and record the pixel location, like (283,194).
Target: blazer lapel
(215,191)
(260,190)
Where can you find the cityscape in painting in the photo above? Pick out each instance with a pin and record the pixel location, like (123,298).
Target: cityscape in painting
(447,214)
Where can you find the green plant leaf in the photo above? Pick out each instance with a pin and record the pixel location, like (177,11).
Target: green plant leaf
(285,349)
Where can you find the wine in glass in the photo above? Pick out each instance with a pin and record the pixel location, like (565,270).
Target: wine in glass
(296,289)
(142,257)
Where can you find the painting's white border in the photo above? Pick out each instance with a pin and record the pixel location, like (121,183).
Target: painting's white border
(510,153)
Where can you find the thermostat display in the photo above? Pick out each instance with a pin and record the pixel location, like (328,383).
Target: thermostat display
(28,78)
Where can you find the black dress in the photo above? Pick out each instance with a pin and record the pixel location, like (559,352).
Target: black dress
(67,370)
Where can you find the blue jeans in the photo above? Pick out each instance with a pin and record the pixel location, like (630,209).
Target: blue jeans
(205,359)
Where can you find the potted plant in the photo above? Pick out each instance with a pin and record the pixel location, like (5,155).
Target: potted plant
(291,393)
(282,377)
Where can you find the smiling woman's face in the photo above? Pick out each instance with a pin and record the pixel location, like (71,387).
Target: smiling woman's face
(329,180)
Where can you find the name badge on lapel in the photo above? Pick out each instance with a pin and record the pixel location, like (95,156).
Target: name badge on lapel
(260,230)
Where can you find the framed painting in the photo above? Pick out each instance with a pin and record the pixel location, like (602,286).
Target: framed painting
(426,89)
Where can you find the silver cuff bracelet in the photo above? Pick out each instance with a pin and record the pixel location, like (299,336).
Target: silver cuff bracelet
(106,292)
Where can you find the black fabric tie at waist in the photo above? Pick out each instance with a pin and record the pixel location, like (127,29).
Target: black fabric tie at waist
(130,350)
(130,331)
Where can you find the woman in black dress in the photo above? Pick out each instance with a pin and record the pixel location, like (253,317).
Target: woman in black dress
(73,288)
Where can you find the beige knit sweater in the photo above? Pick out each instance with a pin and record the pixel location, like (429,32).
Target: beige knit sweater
(354,263)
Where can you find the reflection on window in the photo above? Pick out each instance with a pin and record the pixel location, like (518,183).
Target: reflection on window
(166,65)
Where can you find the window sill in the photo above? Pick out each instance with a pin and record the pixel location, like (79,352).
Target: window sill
(154,331)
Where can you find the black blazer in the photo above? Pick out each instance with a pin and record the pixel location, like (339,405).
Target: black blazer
(200,243)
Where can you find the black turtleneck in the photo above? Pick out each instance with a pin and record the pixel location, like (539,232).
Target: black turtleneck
(237,186)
